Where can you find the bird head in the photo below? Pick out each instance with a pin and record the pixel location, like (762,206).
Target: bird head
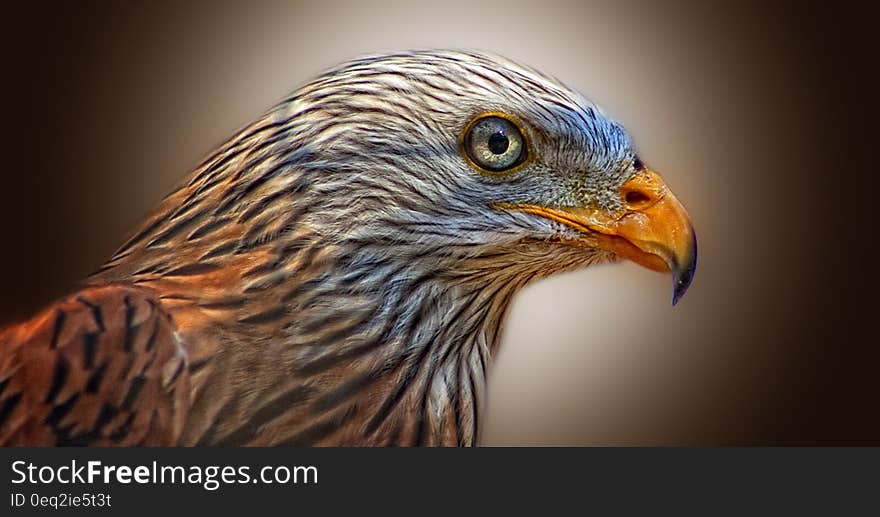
(465,151)
(364,238)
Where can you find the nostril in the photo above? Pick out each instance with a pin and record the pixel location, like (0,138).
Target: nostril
(635,199)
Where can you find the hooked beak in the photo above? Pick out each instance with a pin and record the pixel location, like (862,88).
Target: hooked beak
(655,230)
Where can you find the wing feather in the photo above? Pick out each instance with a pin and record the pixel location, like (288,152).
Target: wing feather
(102,367)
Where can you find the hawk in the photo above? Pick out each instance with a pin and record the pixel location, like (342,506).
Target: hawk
(338,272)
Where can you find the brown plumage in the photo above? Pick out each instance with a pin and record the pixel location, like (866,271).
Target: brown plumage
(337,273)
(101,368)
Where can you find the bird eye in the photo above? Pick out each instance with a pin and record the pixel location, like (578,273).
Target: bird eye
(495,144)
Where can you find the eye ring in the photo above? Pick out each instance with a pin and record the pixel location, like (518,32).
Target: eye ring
(495,143)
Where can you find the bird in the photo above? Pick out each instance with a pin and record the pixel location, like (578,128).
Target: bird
(338,272)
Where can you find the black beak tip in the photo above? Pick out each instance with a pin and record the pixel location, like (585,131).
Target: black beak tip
(683,274)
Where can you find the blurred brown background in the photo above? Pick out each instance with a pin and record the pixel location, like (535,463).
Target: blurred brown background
(754,114)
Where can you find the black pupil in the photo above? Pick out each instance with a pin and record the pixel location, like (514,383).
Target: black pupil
(498,143)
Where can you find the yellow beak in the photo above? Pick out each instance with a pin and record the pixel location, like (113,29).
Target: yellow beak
(655,230)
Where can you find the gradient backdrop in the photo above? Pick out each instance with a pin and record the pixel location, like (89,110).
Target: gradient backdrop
(749,114)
